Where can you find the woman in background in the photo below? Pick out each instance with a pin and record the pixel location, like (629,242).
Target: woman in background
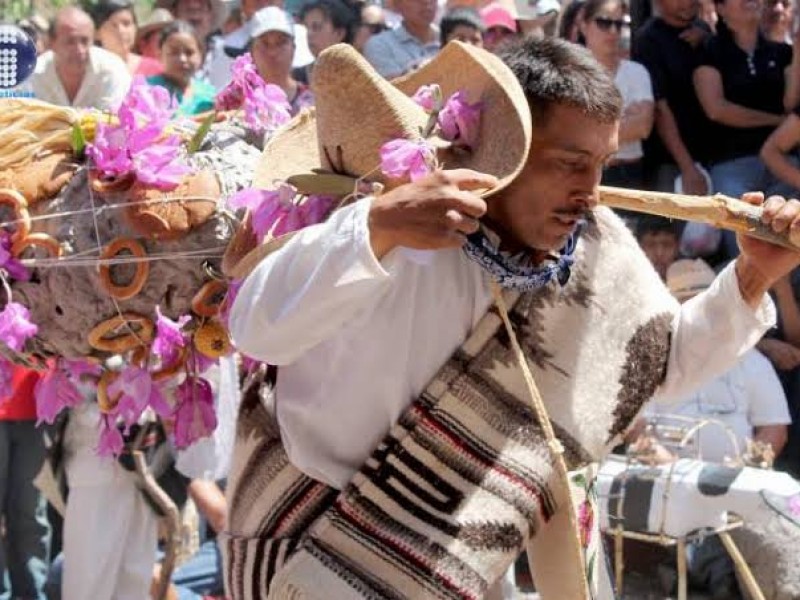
(115,22)
(601,29)
(182,56)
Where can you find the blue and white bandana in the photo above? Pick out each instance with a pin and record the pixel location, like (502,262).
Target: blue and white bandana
(516,271)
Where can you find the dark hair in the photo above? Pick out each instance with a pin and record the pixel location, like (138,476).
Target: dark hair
(569,17)
(337,12)
(182,27)
(553,71)
(461,15)
(652,225)
(591,8)
(105,9)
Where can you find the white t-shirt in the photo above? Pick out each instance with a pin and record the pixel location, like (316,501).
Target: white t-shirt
(104,85)
(634,84)
(748,396)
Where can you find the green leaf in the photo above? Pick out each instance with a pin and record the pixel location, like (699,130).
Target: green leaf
(322,184)
(201,133)
(579,479)
(78,140)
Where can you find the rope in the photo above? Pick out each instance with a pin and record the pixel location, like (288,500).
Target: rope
(540,410)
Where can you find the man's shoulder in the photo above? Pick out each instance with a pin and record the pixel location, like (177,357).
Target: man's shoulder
(103,60)
(383,40)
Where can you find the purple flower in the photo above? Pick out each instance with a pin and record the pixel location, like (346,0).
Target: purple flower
(16,326)
(585,522)
(194,415)
(794,505)
(169,337)
(12,266)
(53,393)
(429,97)
(230,297)
(315,209)
(460,121)
(138,143)
(111,443)
(266,106)
(266,206)
(401,157)
(76,369)
(133,386)
(145,103)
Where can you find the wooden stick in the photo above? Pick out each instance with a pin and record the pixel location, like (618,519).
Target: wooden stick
(741,565)
(718,210)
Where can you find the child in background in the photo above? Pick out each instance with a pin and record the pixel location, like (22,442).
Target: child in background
(182,56)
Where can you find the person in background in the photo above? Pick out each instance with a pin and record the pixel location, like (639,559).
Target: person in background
(372,23)
(148,35)
(778,150)
(669,46)
(570,21)
(601,28)
(25,543)
(500,26)
(776,20)
(75,72)
(659,240)
(272,47)
(233,21)
(463,24)
(405,48)
(37,27)
(225,49)
(182,56)
(327,22)
(116,32)
(206,16)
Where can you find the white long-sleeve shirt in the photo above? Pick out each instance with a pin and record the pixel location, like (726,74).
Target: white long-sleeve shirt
(357,339)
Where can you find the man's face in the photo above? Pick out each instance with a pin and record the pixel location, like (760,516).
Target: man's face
(558,185)
(661,247)
(74,36)
(680,11)
(198,13)
(417,12)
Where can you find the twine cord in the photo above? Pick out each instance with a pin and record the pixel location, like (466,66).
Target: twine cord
(540,410)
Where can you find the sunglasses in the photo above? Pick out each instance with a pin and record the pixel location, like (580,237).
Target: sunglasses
(375,28)
(605,24)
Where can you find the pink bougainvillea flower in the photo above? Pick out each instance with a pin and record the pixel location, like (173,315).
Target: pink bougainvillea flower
(145,103)
(160,165)
(585,522)
(133,385)
(794,505)
(266,106)
(53,393)
(315,209)
(139,143)
(194,414)
(11,265)
(267,207)
(111,442)
(230,297)
(16,326)
(412,158)
(429,97)
(460,121)
(169,337)
(77,369)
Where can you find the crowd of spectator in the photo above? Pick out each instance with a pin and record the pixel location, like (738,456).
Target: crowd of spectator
(711,95)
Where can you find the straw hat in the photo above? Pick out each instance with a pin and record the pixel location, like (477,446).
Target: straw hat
(686,278)
(157,19)
(357,111)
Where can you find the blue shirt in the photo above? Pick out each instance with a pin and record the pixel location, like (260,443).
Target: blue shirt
(396,52)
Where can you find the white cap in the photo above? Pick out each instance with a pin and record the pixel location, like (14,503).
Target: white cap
(270,18)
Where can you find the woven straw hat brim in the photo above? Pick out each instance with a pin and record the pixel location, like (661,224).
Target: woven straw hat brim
(357,111)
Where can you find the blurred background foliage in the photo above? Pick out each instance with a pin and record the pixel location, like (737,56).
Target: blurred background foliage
(14,10)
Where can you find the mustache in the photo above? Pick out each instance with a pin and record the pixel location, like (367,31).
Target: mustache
(575,212)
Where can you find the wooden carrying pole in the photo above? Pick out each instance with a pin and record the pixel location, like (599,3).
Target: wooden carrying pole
(718,210)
